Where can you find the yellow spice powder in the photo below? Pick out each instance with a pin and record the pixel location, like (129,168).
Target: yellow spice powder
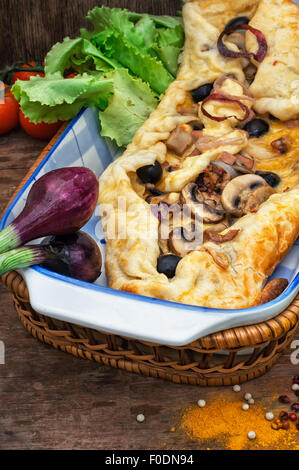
(226,423)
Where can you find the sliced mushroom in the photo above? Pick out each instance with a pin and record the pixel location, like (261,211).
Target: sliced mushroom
(222,238)
(179,140)
(245,194)
(183,240)
(201,208)
(224,224)
(212,209)
(167,215)
(215,228)
(188,197)
(257,198)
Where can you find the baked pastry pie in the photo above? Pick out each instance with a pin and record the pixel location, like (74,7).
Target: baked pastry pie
(204,203)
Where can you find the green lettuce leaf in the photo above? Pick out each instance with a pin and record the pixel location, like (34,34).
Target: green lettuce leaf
(149,69)
(169,56)
(133,45)
(168,47)
(127,101)
(130,106)
(115,19)
(146,29)
(54,98)
(170,37)
(166,21)
(147,45)
(77,54)
(123,64)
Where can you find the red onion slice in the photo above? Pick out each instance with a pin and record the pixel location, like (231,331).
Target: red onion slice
(262,42)
(217,88)
(223,98)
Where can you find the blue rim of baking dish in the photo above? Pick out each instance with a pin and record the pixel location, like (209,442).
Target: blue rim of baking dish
(108,290)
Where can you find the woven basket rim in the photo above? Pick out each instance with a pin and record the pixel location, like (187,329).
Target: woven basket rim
(190,364)
(233,338)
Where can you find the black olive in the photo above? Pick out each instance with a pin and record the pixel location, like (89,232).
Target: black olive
(150,173)
(167,265)
(202,92)
(271,178)
(237,22)
(197,127)
(256,127)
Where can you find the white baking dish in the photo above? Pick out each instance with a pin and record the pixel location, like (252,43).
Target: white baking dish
(96,305)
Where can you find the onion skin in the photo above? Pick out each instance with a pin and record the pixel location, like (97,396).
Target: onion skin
(59,203)
(77,256)
(262,42)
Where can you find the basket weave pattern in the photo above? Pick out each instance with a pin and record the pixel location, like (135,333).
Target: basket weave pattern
(214,360)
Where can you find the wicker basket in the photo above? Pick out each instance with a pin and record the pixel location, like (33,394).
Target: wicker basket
(224,358)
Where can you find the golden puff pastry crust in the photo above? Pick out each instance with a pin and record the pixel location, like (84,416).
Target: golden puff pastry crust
(220,275)
(219,12)
(276,84)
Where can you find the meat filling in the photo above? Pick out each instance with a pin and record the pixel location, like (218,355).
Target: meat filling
(226,190)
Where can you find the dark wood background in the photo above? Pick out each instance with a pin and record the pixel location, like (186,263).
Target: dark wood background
(28,28)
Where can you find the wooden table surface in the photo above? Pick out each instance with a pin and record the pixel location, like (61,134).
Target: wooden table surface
(52,400)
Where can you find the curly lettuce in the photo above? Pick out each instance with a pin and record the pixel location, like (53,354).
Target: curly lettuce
(122,65)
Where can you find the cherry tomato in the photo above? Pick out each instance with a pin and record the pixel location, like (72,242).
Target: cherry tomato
(42,130)
(72,75)
(9,110)
(26,74)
